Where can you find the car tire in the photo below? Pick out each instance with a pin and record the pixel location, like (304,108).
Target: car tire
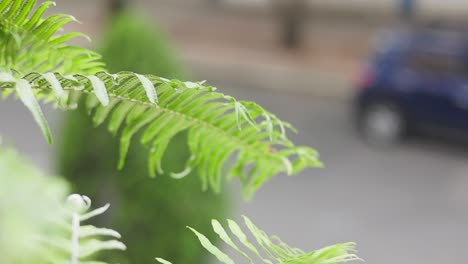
(382,124)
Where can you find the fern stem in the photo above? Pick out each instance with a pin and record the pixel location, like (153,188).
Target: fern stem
(75,239)
(175,113)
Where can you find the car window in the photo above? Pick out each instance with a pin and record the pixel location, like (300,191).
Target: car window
(438,64)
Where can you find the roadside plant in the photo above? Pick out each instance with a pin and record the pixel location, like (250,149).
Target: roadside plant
(227,138)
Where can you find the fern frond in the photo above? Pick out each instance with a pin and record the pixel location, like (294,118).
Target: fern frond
(224,135)
(36,227)
(30,42)
(77,243)
(269,250)
(85,240)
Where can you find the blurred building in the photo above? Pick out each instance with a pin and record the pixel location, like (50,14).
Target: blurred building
(331,39)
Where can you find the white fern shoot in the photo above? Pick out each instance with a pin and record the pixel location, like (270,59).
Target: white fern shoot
(83,242)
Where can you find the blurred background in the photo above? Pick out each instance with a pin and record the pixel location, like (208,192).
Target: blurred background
(307,61)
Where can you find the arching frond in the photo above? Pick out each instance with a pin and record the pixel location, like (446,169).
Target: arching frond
(225,136)
(30,42)
(269,250)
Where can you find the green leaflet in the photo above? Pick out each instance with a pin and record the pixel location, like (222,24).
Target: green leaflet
(103,112)
(25,93)
(149,88)
(31,42)
(276,251)
(212,248)
(224,135)
(94,246)
(99,89)
(132,128)
(89,231)
(218,228)
(163,261)
(237,231)
(54,83)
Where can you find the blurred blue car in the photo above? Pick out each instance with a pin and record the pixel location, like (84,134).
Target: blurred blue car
(416,79)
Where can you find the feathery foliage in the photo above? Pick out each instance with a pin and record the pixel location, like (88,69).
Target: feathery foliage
(30,42)
(269,250)
(86,240)
(221,130)
(225,136)
(219,126)
(36,227)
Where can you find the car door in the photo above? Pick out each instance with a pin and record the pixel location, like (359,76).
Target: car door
(459,99)
(436,88)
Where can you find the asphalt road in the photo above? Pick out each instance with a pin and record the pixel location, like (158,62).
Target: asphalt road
(406,205)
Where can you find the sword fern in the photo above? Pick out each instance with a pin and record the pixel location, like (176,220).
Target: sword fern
(268,249)
(225,136)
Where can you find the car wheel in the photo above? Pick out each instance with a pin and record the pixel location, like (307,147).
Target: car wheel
(382,124)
